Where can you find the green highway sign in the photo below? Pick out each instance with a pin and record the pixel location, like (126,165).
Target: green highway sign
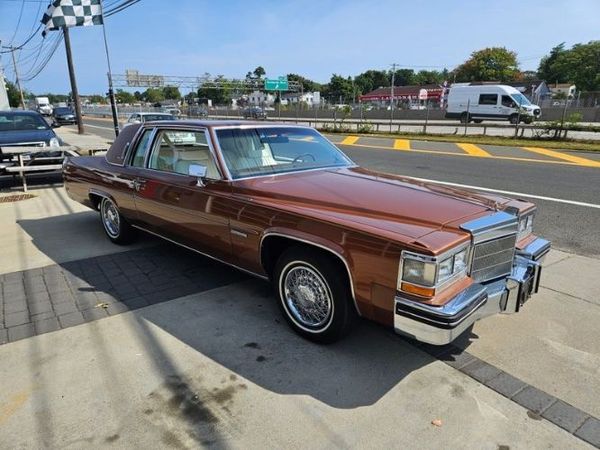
(280,84)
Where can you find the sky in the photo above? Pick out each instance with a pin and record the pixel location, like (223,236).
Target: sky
(311,38)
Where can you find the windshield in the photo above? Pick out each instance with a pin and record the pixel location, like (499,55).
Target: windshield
(269,150)
(151,117)
(521,99)
(22,122)
(63,110)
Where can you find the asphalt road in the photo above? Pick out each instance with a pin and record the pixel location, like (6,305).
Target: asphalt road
(571,227)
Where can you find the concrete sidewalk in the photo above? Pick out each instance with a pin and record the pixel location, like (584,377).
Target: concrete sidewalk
(220,367)
(86,143)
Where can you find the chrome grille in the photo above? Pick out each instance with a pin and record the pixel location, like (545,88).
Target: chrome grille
(494,239)
(493,259)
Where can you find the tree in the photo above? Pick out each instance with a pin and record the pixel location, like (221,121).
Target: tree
(95,98)
(219,93)
(172,93)
(259,72)
(370,80)
(340,89)
(579,65)
(153,95)
(307,85)
(124,96)
(14,98)
(138,96)
(429,77)
(489,64)
(403,77)
(547,70)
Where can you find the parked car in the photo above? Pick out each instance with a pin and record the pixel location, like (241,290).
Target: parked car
(336,240)
(490,102)
(254,112)
(27,129)
(142,117)
(63,115)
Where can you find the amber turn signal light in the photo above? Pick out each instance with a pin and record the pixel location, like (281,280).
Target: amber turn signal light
(417,290)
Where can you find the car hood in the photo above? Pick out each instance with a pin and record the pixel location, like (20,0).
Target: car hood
(22,136)
(397,207)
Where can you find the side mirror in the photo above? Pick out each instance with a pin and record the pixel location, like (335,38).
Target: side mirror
(198,171)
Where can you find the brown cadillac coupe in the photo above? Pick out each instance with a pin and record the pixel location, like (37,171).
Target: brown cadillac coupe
(336,240)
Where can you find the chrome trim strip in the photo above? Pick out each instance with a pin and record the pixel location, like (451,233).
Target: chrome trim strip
(536,250)
(249,272)
(491,227)
(320,246)
(462,300)
(238,233)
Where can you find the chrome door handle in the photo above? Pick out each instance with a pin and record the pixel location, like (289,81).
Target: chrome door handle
(138,184)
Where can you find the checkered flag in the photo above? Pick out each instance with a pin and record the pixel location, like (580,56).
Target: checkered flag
(72,13)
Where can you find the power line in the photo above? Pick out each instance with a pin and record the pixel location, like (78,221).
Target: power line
(18,23)
(46,60)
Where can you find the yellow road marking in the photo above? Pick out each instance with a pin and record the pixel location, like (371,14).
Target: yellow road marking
(474,150)
(507,158)
(401,144)
(350,140)
(574,159)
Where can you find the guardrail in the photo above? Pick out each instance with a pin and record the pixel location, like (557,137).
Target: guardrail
(538,129)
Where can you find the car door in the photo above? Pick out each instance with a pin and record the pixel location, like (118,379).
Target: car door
(507,105)
(488,105)
(174,203)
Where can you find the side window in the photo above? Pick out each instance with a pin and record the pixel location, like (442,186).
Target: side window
(176,150)
(488,99)
(139,155)
(508,101)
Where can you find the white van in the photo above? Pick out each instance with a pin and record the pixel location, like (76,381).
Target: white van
(490,101)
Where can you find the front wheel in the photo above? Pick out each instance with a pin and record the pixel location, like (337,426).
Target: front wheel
(115,225)
(314,294)
(465,117)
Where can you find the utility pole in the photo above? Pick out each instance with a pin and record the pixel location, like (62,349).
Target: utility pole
(392,95)
(80,129)
(12,53)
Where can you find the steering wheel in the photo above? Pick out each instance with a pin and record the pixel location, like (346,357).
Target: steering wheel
(297,158)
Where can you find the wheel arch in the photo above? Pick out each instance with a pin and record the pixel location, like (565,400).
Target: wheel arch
(96,196)
(273,243)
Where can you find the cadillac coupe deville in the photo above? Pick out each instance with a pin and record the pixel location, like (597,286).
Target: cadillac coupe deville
(336,240)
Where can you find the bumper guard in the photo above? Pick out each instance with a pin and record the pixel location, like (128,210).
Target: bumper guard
(440,325)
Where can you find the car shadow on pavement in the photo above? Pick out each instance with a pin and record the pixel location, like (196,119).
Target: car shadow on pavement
(222,314)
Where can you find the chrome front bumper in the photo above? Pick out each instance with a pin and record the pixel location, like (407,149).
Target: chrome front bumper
(440,325)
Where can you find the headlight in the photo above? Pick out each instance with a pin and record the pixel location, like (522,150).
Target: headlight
(423,275)
(525,225)
(54,142)
(418,272)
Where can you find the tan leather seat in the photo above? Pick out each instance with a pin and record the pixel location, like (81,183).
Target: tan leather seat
(188,156)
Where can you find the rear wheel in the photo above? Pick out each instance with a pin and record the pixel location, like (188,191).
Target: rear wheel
(513,119)
(115,225)
(314,294)
(477,120)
